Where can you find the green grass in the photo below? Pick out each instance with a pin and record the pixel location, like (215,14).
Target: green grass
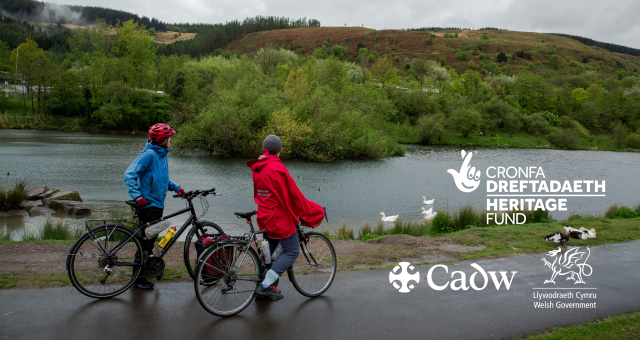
(529,238)
(615,327)
(10,199)
(58,229)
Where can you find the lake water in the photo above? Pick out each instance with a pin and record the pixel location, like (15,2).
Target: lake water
(354,191)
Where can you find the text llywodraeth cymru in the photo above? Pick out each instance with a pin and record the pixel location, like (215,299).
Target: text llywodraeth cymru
(555,300)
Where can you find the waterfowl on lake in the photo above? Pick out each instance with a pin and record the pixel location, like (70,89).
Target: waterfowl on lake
(428,216)
(430,211)
(388,218)
(424,200)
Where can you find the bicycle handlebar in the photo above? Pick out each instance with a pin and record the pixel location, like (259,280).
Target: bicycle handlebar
(192,194)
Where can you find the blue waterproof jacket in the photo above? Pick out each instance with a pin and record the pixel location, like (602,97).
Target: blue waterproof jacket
(148,176)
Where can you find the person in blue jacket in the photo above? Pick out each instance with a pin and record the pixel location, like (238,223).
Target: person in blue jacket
(147,180)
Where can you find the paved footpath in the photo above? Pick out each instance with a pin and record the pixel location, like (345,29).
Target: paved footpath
(359,304)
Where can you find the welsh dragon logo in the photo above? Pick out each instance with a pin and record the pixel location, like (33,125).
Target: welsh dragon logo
(572,262)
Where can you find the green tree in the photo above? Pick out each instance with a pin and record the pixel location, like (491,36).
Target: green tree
(419,66)
(431,127)
(619,134)
(465,120)
(383,71)
(502,58)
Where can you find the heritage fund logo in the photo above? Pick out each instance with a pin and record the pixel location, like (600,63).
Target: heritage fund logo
(571,264)
(511,191)
(468,178)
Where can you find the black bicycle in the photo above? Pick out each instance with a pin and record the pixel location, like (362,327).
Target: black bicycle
(229,271)
(105,260)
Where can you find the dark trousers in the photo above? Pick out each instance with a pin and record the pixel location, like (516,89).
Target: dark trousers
(149,214)
(290,252)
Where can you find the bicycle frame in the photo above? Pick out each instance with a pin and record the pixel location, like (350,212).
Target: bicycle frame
(192,219)
(248,240)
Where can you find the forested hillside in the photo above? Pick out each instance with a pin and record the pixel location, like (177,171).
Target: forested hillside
(330,92)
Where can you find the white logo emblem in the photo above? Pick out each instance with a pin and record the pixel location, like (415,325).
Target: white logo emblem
(566,263)
(404,277)
(468,179)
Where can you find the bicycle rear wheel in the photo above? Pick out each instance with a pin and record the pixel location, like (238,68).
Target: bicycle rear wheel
(96,273)
(205,228)
(314,270)
(226,278)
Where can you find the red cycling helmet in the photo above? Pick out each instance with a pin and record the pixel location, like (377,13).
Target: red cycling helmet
(160,132)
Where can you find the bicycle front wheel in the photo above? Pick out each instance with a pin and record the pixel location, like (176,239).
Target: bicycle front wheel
(314,270)
(95,270)
(206,229)
(226,278)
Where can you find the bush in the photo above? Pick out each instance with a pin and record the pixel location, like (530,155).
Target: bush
(58,229)
(465,120)
(336,50)
(443,61)
(633,140)
(482,56)
(462,56)
(441,223)
(344,233)
(616,211)
(465,217)
(484,37)
(502,58)
(536,124)
(472,65)
(11,199)
(566,139)
(388,50)
(431,127)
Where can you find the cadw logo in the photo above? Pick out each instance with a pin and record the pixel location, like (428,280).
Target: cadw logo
(468,178)
(457,280)
(403,277)
(572,262)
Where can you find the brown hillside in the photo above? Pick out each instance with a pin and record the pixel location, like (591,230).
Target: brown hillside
(412,44)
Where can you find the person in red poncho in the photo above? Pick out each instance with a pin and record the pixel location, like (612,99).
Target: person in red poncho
(280,203)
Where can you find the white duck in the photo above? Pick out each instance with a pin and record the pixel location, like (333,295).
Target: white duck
(426,211)
(428,216)
(570,229)
(388,218)
(591,233)
(424,200)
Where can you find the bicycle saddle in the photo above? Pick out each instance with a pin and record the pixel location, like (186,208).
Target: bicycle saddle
(246,215)
(132,203)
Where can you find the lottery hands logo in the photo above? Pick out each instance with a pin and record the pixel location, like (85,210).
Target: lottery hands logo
(403,277)
(468,179)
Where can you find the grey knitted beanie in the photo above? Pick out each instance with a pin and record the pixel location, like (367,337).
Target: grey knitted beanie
(272,143)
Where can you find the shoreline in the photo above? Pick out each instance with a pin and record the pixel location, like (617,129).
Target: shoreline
(500,141)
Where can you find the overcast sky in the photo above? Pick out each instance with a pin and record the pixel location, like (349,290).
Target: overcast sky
(613,21)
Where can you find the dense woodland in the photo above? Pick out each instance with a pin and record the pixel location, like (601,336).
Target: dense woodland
(323,106)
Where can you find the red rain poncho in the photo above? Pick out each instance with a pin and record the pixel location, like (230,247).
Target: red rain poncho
(279,200)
